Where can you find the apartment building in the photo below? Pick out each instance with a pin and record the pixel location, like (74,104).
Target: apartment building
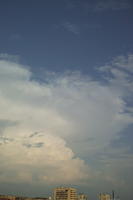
(64,193)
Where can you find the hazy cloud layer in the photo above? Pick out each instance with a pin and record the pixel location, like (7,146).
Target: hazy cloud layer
(7,57)
(99,5)
(111,5)
(47,129)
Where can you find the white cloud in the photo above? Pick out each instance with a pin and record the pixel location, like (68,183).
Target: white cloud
(70,107)
(40,156)
(121,69)
(123,62)
(73,28)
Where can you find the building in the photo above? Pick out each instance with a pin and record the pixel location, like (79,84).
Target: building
(105,197)
(82,197)
(7,197)
(65,193)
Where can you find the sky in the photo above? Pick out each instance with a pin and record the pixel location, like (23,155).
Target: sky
(66,96)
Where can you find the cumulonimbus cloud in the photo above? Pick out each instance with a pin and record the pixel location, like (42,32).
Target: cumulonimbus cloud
(47,127)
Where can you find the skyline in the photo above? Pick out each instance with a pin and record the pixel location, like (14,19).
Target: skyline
(67,192)
(66,96)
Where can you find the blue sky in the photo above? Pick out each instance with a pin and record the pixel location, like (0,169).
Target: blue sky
(66,79)
(66,34)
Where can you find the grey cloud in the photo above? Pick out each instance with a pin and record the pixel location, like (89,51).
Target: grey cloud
(124,141)
(35,145)
(5,140)
(98,6)
(111,5)
(34,134)
(13,58)
(6,123)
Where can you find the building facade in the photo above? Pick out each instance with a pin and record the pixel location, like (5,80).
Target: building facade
(105,197)
(82,197)
(64,193)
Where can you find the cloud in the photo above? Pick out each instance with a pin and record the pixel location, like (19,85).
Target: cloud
(5,124)
(73,28)
(124,62)
(13,58)
(68,26)
(53,128)
(111,5)
(98,6)
(120,69)
(40,158)
(29,104)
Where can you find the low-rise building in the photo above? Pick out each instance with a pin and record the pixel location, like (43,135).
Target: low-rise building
(104,197)
(7,197)
(82,197)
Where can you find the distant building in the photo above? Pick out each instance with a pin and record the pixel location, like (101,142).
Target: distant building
(41,198)
(7,197)
(20,198)
(105,197)
(82,197)
(64,193)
